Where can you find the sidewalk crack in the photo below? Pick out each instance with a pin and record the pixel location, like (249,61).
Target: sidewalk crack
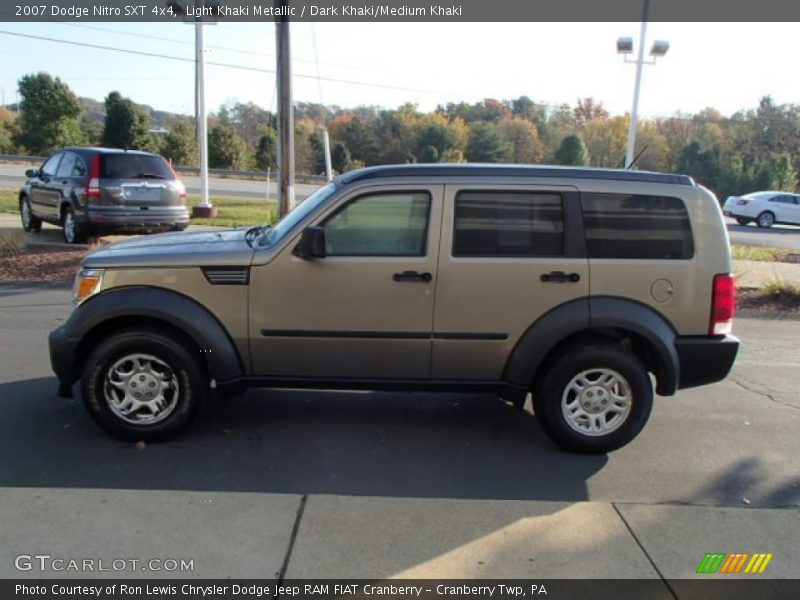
(644,551)
(295,528)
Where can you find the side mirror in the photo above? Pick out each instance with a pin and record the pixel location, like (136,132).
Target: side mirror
(31,173)
(311,244)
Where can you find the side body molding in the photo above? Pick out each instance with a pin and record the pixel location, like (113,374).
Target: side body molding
(179,311)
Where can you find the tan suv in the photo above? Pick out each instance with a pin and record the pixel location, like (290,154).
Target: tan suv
(574,285)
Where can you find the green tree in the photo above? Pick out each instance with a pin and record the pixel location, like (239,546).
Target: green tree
(127,125)
(775,173)
(267,151)
(700,163)
(180,144)
(340,158)
(572,151)
(49,118)
(429,154)
(485,144)
(226,150)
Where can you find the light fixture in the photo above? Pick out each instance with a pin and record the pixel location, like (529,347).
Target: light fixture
(624,45)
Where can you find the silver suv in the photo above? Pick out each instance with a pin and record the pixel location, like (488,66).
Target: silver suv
(94,190)
(581,287)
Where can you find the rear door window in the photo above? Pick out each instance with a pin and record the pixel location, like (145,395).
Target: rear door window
(66,165)
(508,224)
(134,166)
(636,226)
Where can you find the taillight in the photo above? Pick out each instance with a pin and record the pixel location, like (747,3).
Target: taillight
(742,202)
(179,183)
(723,304)
(93,185)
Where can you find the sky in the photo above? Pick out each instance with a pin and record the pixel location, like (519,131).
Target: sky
(728,66)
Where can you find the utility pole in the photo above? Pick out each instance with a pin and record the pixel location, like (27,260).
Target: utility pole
(285,114)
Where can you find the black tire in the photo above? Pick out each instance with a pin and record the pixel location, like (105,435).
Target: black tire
(743,221)
(592,357)
(181,227)
(74,232)
(182,401)
(765,220)
(29,221)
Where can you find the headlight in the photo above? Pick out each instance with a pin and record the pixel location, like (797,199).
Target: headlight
(87,282)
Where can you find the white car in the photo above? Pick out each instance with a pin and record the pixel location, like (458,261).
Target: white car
(765,208)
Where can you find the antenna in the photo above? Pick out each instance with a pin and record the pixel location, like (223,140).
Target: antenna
(635,158)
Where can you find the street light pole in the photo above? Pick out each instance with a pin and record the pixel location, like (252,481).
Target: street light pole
(636,87)
(204,209)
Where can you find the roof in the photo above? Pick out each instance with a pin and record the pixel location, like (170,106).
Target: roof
(85,149)
(498,170)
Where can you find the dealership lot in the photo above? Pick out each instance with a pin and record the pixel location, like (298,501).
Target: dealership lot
(301,484)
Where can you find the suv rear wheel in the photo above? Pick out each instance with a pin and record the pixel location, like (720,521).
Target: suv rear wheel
(74,233)
(143,385)
(594,398)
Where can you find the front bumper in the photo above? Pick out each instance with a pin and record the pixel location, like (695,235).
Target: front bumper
(705,359)
(135,217)
(62,360)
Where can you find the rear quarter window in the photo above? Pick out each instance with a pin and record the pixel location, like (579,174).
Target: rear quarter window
(134,166)
(636,226)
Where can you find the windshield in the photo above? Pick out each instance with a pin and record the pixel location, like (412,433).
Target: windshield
(300,212)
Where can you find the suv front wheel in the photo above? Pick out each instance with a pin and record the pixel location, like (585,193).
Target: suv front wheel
(594,398)
(143,385)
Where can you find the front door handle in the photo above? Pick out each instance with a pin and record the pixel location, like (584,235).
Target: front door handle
(560,277)
(412,276)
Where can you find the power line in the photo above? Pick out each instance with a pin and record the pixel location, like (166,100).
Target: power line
(227,65)
(212,47)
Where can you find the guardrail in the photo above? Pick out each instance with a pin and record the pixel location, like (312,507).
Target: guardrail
(223,173)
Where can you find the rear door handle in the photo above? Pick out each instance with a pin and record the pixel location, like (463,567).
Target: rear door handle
(560,277)
(412,276)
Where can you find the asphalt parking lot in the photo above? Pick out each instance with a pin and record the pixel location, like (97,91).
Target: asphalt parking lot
(302,484)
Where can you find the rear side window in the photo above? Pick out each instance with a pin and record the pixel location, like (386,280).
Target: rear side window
(134,166)
(636,226)
(508,224)
(66,165)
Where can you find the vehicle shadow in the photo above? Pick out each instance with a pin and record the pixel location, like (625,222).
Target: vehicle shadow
(300,442)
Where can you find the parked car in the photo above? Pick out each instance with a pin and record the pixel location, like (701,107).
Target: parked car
(93,190)
(765,208)
(575,285)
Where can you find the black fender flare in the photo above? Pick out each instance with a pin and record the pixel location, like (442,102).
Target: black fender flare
(638,318)
(585,315)
(542,336)
(175,309)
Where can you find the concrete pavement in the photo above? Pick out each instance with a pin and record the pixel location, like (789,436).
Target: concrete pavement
(399,485)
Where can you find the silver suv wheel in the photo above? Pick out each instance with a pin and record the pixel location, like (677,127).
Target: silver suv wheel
(596,402)
(69,227)
(26,214)
(141,389)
